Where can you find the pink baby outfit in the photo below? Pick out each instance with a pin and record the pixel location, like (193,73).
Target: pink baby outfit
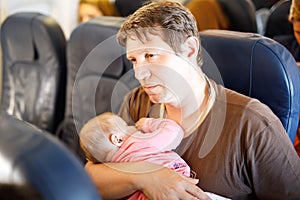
(155,145)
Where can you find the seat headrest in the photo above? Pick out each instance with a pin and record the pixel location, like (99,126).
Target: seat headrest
(128,7)
(32,36)
(87,36)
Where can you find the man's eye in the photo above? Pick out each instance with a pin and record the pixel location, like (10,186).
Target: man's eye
(150,55)
(132,60)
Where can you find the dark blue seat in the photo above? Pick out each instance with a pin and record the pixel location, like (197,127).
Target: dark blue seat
(259,4)
(34,67)
(97,65)
(258,67)
(31,157)
(99,76)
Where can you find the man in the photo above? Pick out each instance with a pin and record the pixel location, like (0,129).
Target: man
(235,144)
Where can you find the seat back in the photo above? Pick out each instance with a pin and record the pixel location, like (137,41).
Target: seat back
(33,49)
(278,23)
(99,75)
(128,7)
(241,15)
(33,158)
(259,4)
(97,64)
(262,16)
(258,67)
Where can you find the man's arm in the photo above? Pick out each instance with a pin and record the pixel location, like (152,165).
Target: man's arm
(105,176)
(275,164)
(118,180)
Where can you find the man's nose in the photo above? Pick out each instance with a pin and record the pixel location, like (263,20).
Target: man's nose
(142,73)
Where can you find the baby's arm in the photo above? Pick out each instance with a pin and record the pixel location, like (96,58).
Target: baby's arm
(165,134)
(142,124)
(148,125)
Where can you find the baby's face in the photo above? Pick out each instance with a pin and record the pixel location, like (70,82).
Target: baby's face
(131,130)
(127,132)
(124,131)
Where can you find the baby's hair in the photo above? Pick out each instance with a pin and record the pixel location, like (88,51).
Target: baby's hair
(95,134)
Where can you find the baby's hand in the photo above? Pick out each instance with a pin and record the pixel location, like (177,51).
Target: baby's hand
(140,124)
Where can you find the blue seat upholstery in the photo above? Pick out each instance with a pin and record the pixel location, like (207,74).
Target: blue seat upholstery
(96,63)
(99,76)
(259,4)
(33,158)
(34,65)
(258,67)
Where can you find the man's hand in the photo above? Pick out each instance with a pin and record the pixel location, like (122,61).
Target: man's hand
(165,183)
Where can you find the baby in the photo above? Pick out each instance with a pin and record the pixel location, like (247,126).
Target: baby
(107,138)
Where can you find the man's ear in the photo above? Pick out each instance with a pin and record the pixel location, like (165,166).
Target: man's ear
(116,140)
(191,46)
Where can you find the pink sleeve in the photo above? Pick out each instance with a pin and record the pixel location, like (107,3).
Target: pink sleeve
(146,126)
(165,134)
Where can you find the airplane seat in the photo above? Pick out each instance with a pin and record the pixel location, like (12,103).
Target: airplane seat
(262,15)
(36,165)
(33,50)
(128,7)
(278,23)
(259,4)
(99,76)
(258,67)
(241,15)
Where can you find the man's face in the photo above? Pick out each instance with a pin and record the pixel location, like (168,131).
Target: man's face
(296,26)
(161,72)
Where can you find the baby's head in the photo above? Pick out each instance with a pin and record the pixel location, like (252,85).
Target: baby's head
(101,136)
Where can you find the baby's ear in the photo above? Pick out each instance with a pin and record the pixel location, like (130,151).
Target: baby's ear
(116,140)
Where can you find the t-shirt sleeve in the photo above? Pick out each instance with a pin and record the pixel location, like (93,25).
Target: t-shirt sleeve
(271,152)
(124,111)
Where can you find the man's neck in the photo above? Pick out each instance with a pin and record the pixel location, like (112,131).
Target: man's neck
(187,115)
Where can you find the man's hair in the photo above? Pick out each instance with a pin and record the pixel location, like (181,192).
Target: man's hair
(295,11)
(169,19)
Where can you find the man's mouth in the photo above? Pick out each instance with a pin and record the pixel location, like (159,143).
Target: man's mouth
(150,88)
